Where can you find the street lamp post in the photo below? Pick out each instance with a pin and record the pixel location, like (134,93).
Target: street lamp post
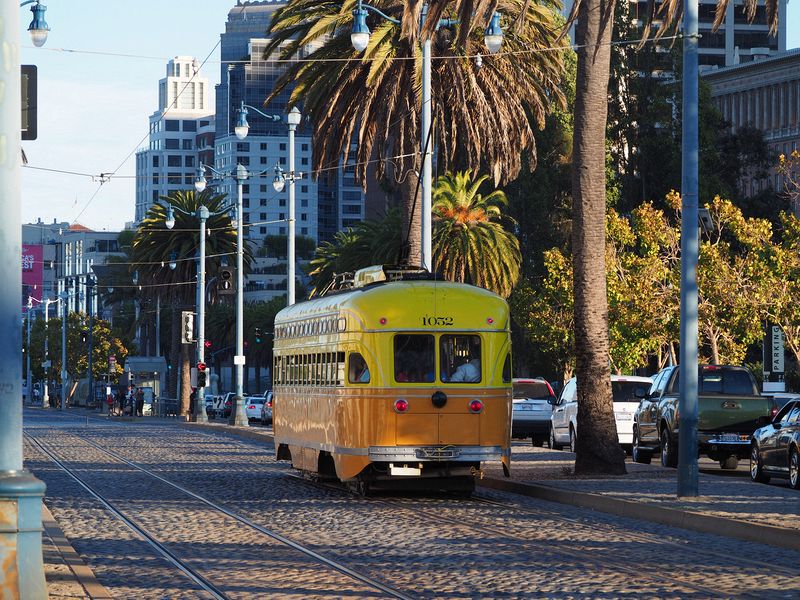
(241,175)
(63,400)
(46,387)
(90,283)
(359,37)
(292,120)
(202,213)
(20,492)
(688,472)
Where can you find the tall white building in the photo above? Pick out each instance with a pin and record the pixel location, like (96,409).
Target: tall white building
(185,113)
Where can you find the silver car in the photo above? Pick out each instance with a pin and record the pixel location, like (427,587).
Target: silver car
(266,408)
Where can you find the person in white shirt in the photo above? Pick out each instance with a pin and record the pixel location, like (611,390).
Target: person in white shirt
(469,372)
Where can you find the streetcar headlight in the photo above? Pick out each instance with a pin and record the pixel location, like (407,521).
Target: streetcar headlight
(476,406)
(400,405)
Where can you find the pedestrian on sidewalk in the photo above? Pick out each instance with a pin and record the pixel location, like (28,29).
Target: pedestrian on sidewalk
(140,402)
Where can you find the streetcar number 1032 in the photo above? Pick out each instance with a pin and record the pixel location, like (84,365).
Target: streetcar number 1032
(437,321)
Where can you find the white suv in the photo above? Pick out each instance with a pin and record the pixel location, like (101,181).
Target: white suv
(564,420)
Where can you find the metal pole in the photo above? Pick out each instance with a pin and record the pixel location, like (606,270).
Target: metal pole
(427,155)
(238,416)
(200,415)
(28,354)
(63,404)
(158,325)
(20,492)
(688,476)
(290,254)
(89,311)
(46,387)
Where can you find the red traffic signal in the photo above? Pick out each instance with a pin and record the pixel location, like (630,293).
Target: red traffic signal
(201,366)
(207,343)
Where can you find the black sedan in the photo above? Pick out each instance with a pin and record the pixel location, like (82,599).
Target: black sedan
(775,450)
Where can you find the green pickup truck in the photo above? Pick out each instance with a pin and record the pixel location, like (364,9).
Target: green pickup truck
(730,409)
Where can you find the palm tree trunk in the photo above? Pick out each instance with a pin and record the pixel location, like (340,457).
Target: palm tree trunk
(598,449)
(411,205)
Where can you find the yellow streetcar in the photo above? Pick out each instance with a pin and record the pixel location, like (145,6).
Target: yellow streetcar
(399,381)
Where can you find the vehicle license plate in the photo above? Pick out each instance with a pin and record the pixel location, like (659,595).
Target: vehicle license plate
(625,417)
(728,437)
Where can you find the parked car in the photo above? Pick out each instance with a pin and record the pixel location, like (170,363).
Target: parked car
(780,398)
(266,408)
(730,409)
(775,448)
(564,420)
(252,407)
(531,409)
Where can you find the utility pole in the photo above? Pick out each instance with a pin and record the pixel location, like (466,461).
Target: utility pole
(64,297)
(90,283)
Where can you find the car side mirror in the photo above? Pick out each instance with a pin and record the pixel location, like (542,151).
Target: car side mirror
(640,392)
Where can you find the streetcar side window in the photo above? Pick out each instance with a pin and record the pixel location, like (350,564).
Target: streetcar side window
(460,358)
(357,371)
(414,358)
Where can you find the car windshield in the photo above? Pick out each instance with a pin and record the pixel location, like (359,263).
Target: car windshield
(624,391)
(533,390)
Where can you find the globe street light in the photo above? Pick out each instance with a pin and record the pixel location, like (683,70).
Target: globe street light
(359,37)
(38,27)
(278,182)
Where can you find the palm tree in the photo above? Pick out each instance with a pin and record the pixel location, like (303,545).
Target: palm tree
(483,115)
(598,450)
(155,247)
(469,242)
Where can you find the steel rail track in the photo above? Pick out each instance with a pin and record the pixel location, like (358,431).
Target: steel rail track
(337,566)
(145,535)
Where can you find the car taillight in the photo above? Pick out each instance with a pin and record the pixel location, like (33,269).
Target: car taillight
(400,405)
(252,407)
(773,412)
(269,403)
(476,406)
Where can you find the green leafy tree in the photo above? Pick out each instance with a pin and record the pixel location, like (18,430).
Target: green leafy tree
(469,242)
(153,249)
(485,115)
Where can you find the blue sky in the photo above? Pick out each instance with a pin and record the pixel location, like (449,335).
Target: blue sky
(94,108)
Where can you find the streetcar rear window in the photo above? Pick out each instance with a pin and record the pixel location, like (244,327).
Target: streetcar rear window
(414,358)
(460,358)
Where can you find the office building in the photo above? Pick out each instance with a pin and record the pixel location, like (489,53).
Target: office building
(763,93)
(184,118)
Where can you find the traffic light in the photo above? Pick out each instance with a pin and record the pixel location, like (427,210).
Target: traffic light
(259,333)
(207,343)
(187,327)
(225,281)
(84,334)
(201,375)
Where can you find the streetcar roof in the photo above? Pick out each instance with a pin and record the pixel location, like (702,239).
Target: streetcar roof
(401,305)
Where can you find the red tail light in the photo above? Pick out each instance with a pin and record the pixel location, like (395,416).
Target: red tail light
(476,406)
(269,403)
(773,412)
(400,405)
(252,407)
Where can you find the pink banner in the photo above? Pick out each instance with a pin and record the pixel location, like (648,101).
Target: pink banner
(32,272)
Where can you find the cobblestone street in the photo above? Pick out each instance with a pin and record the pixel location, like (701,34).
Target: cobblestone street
(235,519)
